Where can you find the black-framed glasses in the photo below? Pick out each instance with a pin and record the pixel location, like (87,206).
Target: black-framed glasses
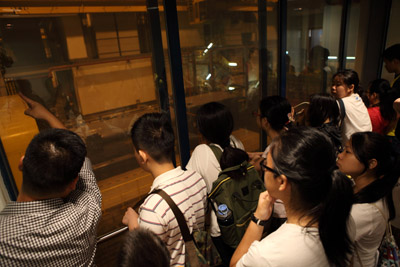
(265,168)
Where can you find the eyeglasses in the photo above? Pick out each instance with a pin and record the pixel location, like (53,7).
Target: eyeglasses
(265,168)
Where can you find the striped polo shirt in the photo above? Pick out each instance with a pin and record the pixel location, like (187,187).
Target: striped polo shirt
(189,192)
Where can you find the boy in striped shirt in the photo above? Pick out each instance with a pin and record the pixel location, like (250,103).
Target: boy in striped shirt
(153,140)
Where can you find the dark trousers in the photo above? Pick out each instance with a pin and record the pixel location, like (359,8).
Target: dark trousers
(225,251)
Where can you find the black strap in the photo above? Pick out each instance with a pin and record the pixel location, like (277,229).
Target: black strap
(217,152)
(342,111)
(177,212)
(178,215)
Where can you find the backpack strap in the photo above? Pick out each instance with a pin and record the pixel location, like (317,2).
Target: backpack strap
(342,112)
(217,151)
(187,237)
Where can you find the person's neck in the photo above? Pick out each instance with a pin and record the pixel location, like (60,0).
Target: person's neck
(159,168)
(23,197)
(362,181)
(272,133)
(297,218)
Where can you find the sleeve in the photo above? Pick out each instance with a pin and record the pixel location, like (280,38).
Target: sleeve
(253,257)
(87,183)
(199,164)
(149,219)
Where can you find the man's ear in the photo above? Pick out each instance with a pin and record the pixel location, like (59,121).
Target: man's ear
(72,185)
(372,163)
(21,163)
(144,157)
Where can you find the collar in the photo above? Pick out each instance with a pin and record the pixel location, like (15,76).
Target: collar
(164,178)
(42,206)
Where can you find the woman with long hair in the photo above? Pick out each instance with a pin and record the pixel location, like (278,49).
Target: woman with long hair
(345,86)
(300,169)
(215,124)
(381,111)
(323,114)
(375,168)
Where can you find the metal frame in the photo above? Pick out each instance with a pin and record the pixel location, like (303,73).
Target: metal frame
(6,173)
(175,59)
(262,55)
(344,29)
(282,33)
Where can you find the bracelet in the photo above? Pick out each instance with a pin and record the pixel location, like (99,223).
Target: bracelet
(258,221)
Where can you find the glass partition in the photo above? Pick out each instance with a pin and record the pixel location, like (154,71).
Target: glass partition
(219,43)
(94,72)
(313,32)
(392,36)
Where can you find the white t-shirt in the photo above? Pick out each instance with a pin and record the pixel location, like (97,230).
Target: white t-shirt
(290,245)
(396,201)
(204,162)
(370,228)
(357,118)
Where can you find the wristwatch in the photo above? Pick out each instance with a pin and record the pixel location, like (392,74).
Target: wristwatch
(258,221)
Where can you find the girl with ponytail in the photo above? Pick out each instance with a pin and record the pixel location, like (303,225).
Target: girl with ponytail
(300,170)
(215,124)
(375,168)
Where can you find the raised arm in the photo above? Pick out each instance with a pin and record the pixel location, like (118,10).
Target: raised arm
(37,111)
(254,231)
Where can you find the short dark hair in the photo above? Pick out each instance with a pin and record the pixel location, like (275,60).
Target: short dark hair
(215,123)
(392,52)
(52,161)
(348,77)
(276,110)
(143,248)
(318,189)
(153,133)
(322,107)
(370,145)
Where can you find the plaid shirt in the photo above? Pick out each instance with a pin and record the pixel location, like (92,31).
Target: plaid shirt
(53,232)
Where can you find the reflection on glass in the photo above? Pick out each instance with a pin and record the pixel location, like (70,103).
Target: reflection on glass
(95,97)
(392,35)
(221,63)
(313,30)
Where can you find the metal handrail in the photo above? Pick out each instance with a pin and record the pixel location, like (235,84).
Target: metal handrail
(110,235)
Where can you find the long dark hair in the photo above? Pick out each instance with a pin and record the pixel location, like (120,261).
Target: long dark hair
(318,189)
(370,145)
(276,110)
(215,123)
(322,107)
(348,77)
(234,156)
(387,96)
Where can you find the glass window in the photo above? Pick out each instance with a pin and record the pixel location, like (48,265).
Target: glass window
(313,32)
(219,43)
(392,35)
(94,72)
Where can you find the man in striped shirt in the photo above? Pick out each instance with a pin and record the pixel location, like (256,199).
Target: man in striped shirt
(153,140)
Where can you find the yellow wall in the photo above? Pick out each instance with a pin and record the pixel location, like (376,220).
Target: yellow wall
(108,86)
(16,131)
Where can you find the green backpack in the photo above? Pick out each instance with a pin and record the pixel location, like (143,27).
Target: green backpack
(241,197)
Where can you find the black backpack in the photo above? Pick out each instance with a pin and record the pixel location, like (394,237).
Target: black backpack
(240,195)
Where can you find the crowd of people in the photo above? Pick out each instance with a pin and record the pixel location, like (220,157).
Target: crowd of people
(331,185)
